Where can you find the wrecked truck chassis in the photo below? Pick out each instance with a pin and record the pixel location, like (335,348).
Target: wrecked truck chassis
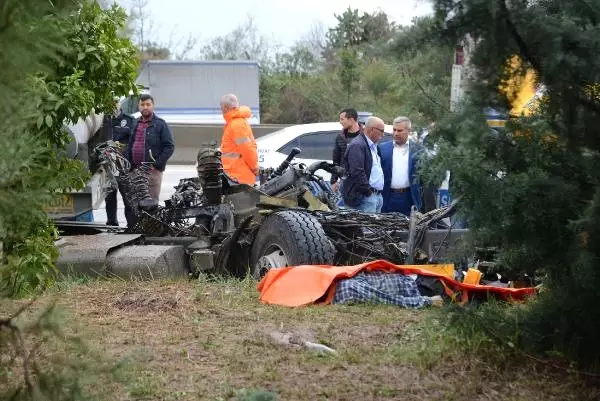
(214,224)
(116,253)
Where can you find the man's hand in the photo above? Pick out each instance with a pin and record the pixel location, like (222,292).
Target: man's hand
(437,301)
(335,186)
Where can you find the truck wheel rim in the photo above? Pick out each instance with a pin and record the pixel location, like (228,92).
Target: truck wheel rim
(273,257)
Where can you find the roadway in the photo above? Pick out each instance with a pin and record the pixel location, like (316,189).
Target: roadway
(171,177)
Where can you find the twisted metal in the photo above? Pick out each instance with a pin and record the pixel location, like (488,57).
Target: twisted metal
(162,222)
(135,187)
(360,236)
(169,220)
(152,219)
(202,191)
(109,157)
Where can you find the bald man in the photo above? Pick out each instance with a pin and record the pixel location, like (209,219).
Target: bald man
(238,147)
(363,181)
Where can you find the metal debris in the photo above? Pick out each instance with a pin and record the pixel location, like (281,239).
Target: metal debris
(288,339)
(196,202)
(360,236)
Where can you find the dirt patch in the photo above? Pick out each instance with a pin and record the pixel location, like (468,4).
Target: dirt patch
(183,340)
(146,301)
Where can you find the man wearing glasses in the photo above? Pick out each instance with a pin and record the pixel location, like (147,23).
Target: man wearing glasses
(363,182)
(399,160)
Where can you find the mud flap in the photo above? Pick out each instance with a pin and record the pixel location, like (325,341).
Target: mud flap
(87,254)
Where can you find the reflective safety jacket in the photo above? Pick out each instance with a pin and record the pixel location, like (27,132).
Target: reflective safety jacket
(238,147)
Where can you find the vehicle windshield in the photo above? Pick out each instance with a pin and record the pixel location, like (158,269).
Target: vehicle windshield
(271,135)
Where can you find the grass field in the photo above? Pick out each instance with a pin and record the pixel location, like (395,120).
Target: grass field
(189,340)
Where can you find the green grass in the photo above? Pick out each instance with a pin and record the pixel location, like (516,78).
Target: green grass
(212,339)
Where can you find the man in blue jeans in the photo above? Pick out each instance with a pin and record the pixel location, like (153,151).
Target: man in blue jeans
(362,185)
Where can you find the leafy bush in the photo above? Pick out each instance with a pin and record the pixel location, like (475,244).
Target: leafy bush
(30,262)
(61,61)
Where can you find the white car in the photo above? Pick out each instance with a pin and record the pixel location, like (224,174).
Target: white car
(316,141)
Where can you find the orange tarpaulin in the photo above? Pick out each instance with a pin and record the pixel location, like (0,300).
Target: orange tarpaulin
(309,284)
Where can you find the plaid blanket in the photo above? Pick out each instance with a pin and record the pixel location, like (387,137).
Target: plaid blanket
(380,287)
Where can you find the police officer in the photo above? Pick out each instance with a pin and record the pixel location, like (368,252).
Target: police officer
(121,124)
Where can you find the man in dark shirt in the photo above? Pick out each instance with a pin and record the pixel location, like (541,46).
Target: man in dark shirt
(350,130)
(120,124)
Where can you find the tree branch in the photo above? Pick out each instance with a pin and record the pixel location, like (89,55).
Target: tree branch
(512,29)
(431,98)
(7,321)
(18,341)
(7,12)
(425,93)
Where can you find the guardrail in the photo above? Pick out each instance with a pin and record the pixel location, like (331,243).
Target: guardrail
(190,137)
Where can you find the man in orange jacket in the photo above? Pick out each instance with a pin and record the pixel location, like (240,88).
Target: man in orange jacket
(238,147)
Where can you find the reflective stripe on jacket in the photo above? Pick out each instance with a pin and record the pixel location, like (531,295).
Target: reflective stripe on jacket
(238,147)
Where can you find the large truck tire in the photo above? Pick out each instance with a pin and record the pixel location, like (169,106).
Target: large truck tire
(289,238)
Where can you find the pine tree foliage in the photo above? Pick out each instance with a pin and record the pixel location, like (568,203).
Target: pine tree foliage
(533,188)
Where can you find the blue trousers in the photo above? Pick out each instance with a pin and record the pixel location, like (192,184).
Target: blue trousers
(399,202)
(370,204)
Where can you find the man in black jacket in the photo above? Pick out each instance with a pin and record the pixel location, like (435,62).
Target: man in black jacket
(350,130)
(362,185)
(151,141)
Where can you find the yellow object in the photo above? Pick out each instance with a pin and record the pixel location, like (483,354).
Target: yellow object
(524,92)
(473,277)
(444,270)
(496,123)
(60,204)
(523,89)
(520,88)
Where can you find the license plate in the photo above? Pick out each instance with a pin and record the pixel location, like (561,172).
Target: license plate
(60,204)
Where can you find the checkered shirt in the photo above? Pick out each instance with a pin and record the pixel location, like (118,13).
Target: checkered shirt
(380,287)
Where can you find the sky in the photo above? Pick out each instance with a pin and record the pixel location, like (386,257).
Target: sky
(281,21)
